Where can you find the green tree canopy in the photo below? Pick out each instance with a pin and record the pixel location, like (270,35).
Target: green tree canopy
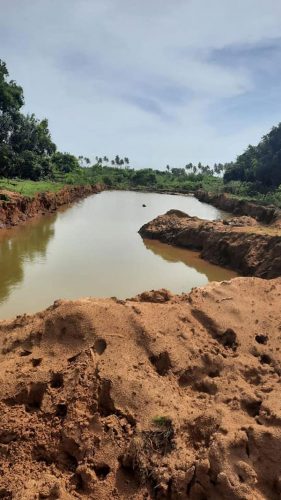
(259,164)
(26,146)
(11,94)
(65,162)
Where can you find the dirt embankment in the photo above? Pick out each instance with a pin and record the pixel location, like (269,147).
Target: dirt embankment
(20,208)
(264,214)
(159,396)
(238,243)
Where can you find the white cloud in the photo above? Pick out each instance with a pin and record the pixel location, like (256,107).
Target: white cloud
(136,78)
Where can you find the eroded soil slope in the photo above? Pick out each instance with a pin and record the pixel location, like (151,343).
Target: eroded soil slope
(156,397)
(16,208)
(267,214)
(239,243)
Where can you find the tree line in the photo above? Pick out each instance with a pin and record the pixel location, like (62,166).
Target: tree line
(28,152)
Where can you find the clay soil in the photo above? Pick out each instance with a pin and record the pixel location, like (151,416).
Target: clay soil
(240,243)
(160,396)
(18,209)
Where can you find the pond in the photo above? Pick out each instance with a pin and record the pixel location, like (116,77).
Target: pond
(92,248)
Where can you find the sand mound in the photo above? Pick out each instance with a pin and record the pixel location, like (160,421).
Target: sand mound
(156,397)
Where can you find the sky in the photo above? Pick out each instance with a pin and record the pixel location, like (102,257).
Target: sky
(160,81)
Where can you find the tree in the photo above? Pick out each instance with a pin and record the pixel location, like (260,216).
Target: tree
(178,172)
(65,162)
(32,135)
(11,94)
(83,161)
(260,164)
(26,146)
(144,177)
(117,160)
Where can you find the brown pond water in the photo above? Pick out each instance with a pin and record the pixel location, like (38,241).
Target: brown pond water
(93,248)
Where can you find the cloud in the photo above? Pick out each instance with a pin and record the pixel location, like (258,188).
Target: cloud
(161,82)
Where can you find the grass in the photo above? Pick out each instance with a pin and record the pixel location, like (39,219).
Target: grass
(30,188)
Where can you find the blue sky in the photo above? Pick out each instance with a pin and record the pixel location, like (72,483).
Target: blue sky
(161,82)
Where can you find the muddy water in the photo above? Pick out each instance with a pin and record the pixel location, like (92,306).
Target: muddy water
(93,249)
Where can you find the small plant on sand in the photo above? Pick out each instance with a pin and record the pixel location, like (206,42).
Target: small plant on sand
(162,421)
(160,440)
(146,446)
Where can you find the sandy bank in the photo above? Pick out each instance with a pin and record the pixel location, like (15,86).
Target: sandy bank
(237,243)
(20,208)
(156,397)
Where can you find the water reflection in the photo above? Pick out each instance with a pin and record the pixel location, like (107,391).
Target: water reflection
(190,258)
(20,246)
(93,249)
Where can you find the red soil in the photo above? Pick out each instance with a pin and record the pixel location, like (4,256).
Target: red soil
(160,396)
(21,208)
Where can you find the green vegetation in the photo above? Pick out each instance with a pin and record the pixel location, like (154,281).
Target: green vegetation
(261,164)
(176,179)
(162,421)
(28,187)
(26,147)
(30,162)
(250,191)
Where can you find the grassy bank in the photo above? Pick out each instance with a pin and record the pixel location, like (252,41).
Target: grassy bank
(146,180)
(248,191)
(30,188)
